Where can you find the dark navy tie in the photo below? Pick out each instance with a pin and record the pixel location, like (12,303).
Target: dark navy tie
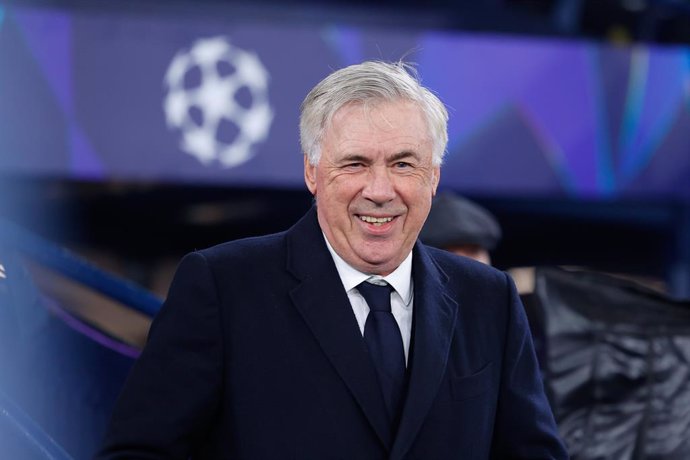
(382,336)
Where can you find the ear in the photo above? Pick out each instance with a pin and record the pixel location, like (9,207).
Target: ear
(435,178)
(310,175)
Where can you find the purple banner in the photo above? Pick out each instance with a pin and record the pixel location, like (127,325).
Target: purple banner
(198,99)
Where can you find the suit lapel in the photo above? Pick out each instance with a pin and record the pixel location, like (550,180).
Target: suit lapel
(434,321)
(325,307)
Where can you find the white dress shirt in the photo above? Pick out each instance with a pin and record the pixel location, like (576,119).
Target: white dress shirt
(401,297)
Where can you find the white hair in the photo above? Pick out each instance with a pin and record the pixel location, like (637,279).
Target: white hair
(365,83)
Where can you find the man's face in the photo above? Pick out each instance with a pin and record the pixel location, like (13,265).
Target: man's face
(374,183)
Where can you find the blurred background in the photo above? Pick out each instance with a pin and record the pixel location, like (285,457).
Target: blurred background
(133,132)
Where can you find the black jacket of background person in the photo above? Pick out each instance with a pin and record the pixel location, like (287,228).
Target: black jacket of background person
(257,354)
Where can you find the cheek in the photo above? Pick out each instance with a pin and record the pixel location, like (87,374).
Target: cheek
(342,191)
(334,204)
(418,210)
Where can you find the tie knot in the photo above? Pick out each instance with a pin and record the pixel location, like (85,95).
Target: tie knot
(378,297)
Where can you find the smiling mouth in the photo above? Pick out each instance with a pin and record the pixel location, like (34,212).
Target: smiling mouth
(377,221)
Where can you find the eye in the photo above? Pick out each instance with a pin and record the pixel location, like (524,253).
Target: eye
(354,165)
(403,165)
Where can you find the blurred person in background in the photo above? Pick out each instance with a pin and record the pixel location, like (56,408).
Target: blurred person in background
(343,337)
(462,227)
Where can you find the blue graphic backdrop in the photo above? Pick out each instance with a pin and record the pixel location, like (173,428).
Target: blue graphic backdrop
(82,91)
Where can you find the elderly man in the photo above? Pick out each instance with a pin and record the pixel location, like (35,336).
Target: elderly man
(342,337)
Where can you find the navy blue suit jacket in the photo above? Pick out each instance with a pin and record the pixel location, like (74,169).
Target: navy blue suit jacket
(256,355)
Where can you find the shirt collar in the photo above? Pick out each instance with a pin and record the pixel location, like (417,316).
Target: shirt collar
(400,278)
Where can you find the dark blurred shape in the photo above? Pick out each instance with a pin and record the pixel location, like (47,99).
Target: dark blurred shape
(60,371)
(461,226)
(616,362)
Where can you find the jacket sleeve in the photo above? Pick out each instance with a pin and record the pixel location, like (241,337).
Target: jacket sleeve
(171,396)
(525,426)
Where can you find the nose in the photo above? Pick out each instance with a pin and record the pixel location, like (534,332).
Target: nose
(379,187)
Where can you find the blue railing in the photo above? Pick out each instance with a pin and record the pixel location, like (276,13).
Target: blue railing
(51,363)
(77,269)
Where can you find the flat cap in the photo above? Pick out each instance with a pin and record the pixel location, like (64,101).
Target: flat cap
(455,221)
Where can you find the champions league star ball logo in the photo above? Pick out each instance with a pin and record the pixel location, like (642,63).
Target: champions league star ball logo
(217,98)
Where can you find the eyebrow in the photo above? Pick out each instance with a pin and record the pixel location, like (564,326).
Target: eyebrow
(404,155)
(355,157)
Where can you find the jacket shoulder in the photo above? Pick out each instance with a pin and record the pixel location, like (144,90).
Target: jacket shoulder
(245,252)
(244,245)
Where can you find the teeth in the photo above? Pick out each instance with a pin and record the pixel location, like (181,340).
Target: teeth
(376,220)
